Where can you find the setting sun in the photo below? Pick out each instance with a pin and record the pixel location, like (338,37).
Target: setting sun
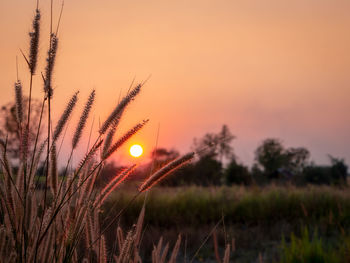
(136,150)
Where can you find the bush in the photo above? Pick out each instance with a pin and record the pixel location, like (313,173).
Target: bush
(237,173)
(313,250)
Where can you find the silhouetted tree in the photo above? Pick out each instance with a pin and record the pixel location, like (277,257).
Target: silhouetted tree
(215,145)
(335,174)
(9,127)
(276,160)
(297,158)
(270,155)
(237,173)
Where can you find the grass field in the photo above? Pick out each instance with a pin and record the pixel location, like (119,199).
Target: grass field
(255,219)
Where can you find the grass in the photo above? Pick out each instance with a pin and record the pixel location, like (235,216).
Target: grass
(313,248)
(69,219)
(61,221)
(256,218)
(249,205)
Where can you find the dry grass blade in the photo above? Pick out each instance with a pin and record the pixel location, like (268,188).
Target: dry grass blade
(64,117)
(120,108)
(51,57)
(53,170)
(116,181)
(226,258)
(125,253)
(83,119)
(34,42)
(110,135)
(19,102)
(139,225)
(216,248)
(39,226)
(124,138)
(165,170)
(175,250)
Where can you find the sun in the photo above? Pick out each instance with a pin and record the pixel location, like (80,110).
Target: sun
(136,150)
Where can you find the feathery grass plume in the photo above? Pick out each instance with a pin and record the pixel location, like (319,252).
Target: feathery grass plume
(103,250)
(127,246)
(120,238)
(120,108)
(50,60)
(47,217)
(34,42)
(110,134)
(64,117)
(53,170)
(88,183)
(88,156)
(117,180)
(139,226)
(175,250)
(89,231)
(25,144)
(124,138)
(19,102)
(83,119)
(165,170)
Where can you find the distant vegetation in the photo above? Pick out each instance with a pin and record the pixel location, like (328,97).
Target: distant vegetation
(218,165)
(256,219)
(76,215)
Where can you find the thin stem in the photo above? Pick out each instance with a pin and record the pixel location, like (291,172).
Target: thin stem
(36,141)
(205,240)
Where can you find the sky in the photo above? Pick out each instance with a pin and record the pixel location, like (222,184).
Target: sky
(266,68)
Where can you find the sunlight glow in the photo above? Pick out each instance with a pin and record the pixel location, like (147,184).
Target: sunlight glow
(136,150)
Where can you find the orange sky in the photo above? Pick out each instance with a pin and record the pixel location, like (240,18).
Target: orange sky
(271,68)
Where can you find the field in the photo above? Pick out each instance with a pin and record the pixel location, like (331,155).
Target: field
(90,209)
(254,220)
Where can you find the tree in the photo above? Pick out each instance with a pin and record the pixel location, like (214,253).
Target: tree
(215,145)
(164,155)
(297,158)
(237,173)
(9,127)
(270,155)
(274,158)
(339,169)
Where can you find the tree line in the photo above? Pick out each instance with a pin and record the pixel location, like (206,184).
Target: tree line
(217,163)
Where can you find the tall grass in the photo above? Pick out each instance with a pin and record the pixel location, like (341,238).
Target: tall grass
(62,222)
(187,206)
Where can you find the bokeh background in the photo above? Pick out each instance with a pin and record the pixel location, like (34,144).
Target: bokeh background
(272,68)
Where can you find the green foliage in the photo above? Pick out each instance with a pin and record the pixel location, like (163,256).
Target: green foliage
(237,173)
(272,156)
(9,126)
(313,250)
(251,205)
(335,174)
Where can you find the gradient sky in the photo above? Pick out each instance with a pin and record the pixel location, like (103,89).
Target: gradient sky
(266,68)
